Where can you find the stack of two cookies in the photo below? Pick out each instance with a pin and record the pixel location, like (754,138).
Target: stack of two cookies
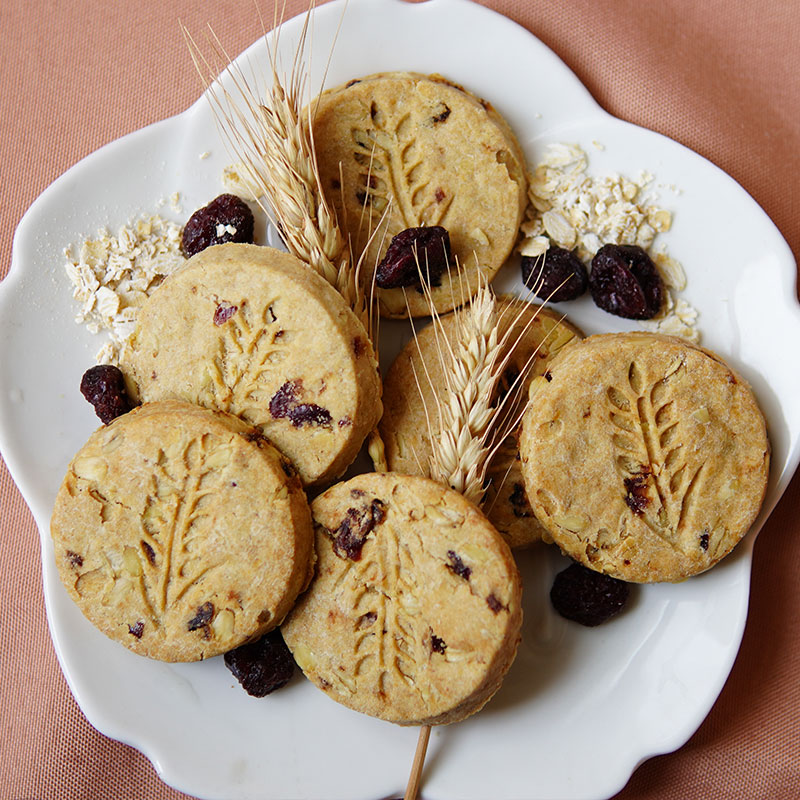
(182,529)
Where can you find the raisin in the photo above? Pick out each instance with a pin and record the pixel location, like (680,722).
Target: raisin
(136,630)
(442,115)
(224,312)
(226,218)
(284,405)
(150,554)
(560,276)
(704,540)
(358,523)
(104,387)
(261,667)
(519,501)
(625,282)
(365,620)
(494,603)
(438,645)
(76,560)
(429,247)
(457,566)
(308,413)
(587,597)
(201,618)
(636,488)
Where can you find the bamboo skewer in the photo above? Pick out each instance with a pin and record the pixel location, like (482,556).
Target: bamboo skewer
(415,778)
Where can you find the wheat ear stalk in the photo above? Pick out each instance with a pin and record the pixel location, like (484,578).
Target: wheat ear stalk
(270,133)
(460,450)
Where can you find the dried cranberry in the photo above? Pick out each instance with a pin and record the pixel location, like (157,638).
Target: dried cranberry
(226,218)
(560,276)
(625,282)
(104,387)
(519,501)
(223,313)
(588,597)
(494,603)
(202,617)
(457,566)
(349,537)
(284,405)
(261,667)
(309,414)
(427,247)
(636,491)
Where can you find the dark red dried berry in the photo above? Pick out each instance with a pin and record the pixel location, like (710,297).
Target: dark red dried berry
(438,645)
(309,414)
(226,218)
(202,617)
(223,313)
(636,491)
(104,387)
(457,566)
(494,603)
(261,667)
(519,501)
(588,597)
(429,247)
(149,553)
(136,630)
(284,405)
(358,523)
(625,282)
(557,277)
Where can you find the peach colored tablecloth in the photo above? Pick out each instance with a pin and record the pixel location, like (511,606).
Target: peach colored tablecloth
(721,76)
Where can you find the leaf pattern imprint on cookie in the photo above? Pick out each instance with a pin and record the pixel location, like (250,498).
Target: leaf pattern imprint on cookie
(393,170)
(658,482)
(386,613)
(184,479)
(250,346)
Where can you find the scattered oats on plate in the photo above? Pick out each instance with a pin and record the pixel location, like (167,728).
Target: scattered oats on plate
(113,275)
(579,211)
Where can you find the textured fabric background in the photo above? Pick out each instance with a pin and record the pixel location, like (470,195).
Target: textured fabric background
(721,76)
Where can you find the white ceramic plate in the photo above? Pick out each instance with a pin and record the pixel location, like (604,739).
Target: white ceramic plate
(580,707)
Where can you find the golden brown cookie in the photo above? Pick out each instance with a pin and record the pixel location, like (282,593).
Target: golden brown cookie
(416,379)
(414,613)
(254,332)
(645,457)
(421,151)
(181,532)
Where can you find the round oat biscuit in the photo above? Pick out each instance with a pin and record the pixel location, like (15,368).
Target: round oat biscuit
(433,154)
(645,457)
(181,532)
(416,379)
(255,332)
(414,613)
